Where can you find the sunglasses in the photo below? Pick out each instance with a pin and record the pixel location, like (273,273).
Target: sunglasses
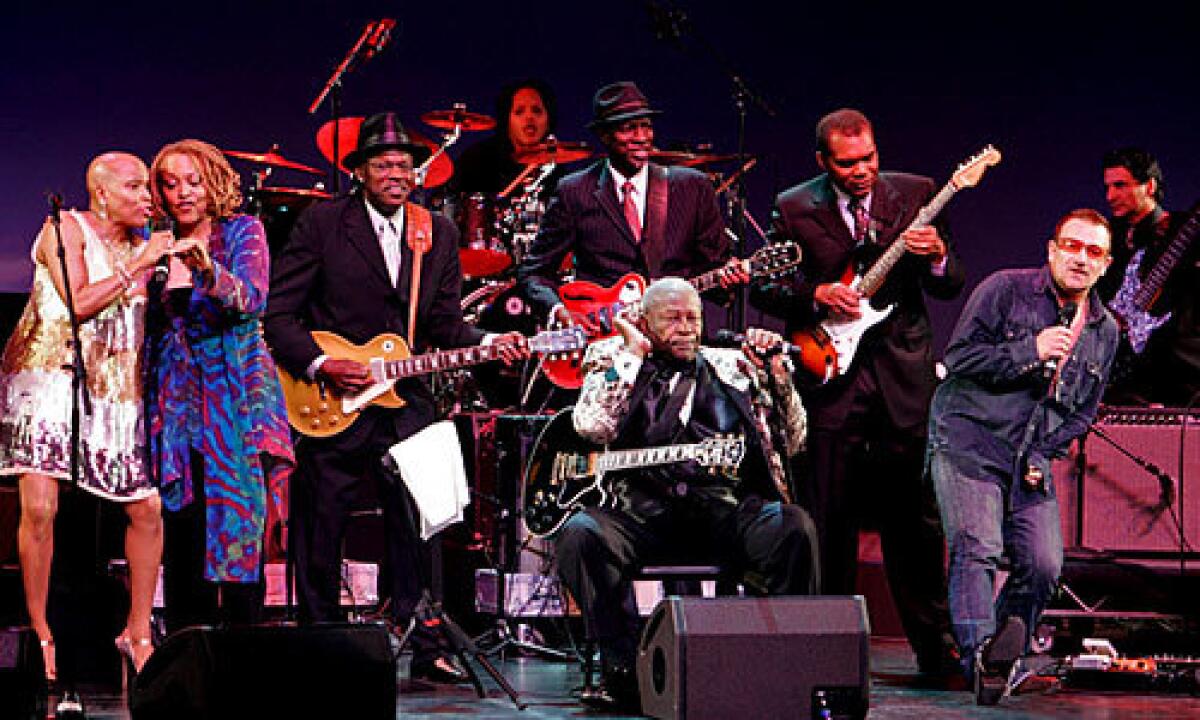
(1074,245)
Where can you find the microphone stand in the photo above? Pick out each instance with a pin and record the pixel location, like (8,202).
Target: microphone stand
(671,23)
(79,385)
(333,90)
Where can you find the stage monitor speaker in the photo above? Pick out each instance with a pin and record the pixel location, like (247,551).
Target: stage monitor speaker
(1121,509)
(779,657)
(335,670)
(20,674)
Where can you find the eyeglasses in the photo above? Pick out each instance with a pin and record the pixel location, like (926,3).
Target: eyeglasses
(1073,245)
(383,166)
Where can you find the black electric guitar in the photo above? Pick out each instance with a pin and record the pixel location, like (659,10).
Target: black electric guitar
(566,473)
(1139,290)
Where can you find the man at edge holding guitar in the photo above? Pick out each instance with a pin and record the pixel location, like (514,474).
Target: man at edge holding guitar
(1166,369)
(654,386)
(361,265)
(868,425)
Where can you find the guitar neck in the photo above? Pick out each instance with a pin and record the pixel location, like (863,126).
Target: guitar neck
(439,361)
(873,278)
(706,281)
(1158,274)
(644,457)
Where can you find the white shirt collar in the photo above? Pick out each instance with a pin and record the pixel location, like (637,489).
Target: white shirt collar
(639,179)
(379,221)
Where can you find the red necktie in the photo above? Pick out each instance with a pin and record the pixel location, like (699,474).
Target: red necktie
(630,209)
(861,220)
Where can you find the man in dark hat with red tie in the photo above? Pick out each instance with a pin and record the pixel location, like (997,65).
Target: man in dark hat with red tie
(624,213)
(351,268)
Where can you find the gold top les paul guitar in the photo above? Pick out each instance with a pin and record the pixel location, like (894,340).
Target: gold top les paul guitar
(318,411)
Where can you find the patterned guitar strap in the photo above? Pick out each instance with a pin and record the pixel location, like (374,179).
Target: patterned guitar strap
(418,235)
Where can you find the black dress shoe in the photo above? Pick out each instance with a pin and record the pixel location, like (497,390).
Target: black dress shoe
(439,669)
(618,692)
(996,659)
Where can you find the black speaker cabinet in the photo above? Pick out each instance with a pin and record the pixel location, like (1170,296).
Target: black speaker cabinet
(741,657)
(20,674)
(1118,506)
(335,670)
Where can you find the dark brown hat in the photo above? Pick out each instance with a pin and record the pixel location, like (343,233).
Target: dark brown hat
(617,103)
(381,132)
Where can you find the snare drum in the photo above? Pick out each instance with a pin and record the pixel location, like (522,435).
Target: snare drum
(481,251)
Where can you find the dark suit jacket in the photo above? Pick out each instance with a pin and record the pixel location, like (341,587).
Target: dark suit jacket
(899,349)
(683,233)
(332,276)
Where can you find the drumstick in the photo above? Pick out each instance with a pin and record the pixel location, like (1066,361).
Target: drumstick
(517,180)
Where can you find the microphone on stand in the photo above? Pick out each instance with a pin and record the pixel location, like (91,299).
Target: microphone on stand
(1066,316)
(55,201)
(380,35)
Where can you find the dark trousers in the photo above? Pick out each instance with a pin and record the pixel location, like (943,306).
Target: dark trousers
(324,488)
(191,599)
(598,551)
(869,464)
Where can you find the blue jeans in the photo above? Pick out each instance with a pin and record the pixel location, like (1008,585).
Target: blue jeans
(981,528)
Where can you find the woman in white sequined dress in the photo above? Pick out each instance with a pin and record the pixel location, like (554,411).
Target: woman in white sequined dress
(108,264)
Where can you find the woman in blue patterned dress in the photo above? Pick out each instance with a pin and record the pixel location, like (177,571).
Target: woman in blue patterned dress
(219,437)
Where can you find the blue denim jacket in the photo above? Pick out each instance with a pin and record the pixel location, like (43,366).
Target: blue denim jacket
(994,413)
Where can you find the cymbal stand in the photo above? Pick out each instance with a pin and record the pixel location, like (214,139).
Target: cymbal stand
(460,113)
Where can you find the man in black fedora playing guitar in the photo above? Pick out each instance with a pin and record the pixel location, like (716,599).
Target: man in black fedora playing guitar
(351,267)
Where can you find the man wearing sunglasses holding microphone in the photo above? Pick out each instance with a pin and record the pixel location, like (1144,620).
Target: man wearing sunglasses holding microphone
(1027,364)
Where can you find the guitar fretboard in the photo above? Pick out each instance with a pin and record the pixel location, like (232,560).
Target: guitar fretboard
(873,278)
(1158,274)
(439,361)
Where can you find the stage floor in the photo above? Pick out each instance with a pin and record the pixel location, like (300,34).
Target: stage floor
(547,688)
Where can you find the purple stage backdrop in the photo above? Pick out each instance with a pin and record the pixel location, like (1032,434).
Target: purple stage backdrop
(1053,85)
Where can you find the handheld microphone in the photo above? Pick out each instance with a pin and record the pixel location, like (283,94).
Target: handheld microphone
(55,207)
(162,267)
(729,338)
(1066,316)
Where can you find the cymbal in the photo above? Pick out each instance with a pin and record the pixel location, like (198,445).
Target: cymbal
(272,157)
(469,121)
(687,158)
(559,152)
(347,134)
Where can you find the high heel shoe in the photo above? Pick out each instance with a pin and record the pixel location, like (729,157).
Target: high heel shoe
(49,661)
(134,653)
(70,707)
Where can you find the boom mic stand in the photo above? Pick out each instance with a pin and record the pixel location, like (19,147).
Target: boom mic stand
(371,41)
(79,386)
(671,23)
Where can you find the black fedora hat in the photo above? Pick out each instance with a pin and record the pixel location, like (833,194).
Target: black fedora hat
(617,103)
(381,132)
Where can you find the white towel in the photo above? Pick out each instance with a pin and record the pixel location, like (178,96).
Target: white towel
(431,465)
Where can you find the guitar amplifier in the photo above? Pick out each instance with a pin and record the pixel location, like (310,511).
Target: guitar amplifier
(1122,505)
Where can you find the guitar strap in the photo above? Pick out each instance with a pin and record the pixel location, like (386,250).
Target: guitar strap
(418,235)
